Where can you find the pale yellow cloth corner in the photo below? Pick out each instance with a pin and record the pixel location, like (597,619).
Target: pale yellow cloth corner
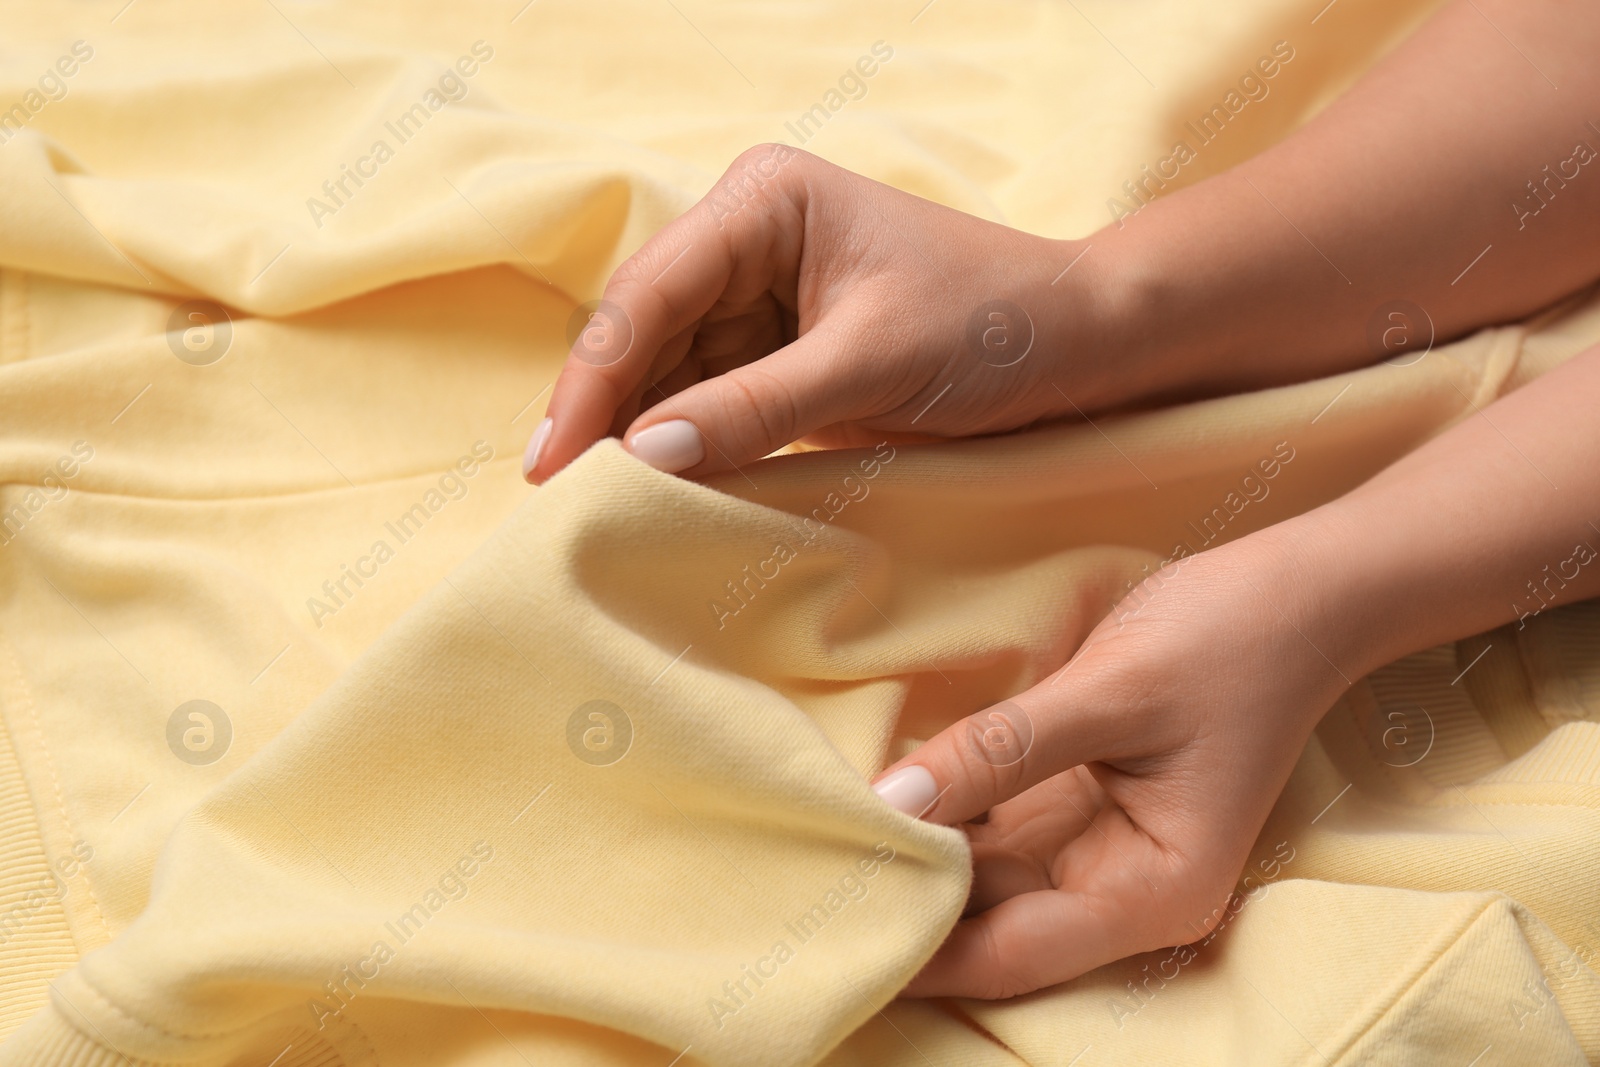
(483,775)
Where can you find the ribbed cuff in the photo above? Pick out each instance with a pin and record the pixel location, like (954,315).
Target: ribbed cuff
(49,1040)
(36,938)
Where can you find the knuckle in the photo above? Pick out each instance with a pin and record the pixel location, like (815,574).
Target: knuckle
(761,410)
(756,178)
(631,282)
(600,333)
(1000,976)
(767,159)
(1001,736)
(972,784)
(630,276)
(1130,705)
(960,772)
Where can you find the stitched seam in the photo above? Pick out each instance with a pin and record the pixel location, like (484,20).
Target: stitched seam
(104,1001)
(8,664)
(15,679)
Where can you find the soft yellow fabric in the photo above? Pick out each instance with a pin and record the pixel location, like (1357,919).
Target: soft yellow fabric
(409,752)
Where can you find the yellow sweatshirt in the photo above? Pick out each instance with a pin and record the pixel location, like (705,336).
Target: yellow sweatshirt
(328,742)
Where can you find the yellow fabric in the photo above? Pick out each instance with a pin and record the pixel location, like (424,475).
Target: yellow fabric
(409,752)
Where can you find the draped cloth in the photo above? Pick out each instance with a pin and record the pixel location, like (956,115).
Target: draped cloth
(327,741)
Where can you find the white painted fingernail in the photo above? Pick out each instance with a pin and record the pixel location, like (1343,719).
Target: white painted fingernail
(530,458)
(910,789)
(669,446)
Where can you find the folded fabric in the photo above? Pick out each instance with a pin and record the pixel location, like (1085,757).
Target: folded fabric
(328,741)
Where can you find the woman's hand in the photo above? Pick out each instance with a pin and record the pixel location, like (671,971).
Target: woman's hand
(799,300)
(1125,791)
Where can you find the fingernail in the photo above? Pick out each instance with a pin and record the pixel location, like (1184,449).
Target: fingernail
(530,458)
(910,789)
(669,446)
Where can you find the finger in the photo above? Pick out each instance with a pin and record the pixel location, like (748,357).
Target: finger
(1018,848)
(1119,899)
(851,436)
(1000,752)
(1039,821)
(752,411)
(1027,942)
(701,350)
(1000,873)
(710,253)
(675,365)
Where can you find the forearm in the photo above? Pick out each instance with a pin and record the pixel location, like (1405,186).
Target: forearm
(1274,270)
(1492,522)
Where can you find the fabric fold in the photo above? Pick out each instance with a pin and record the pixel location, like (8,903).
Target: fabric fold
(595,783)
(330,743)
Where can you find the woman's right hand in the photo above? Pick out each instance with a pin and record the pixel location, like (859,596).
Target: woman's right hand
(800,301)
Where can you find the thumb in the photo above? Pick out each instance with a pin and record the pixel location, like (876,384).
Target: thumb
(750,411)
(992,756)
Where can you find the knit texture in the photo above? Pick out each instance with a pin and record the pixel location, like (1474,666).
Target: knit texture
(327,742)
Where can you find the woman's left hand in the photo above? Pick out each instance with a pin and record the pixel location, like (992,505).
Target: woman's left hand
(1124,792)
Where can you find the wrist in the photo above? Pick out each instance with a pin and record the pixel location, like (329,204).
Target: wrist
(1263,600)
(1127,307)
(1336,584)
(1100,319)
(1208,299)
